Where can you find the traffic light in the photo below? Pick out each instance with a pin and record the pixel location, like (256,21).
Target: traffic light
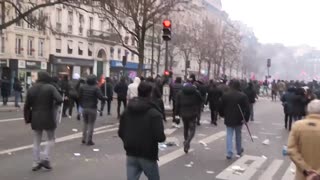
(166,73)
(269,63)
(166,30)
(124,61)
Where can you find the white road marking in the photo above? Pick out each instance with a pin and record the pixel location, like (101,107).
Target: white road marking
(267,133)
(10,120)
(272,170)
(169,131)
(99,130)
(178,153)
(289,175)
(250,169)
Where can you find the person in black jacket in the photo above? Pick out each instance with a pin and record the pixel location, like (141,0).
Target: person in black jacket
(188,107)
(141,129)
(107,90)
(88,97)
(288,102)
(64,84)
(121,89)
(214,98)
(17,91)
(252,95)
(233,104)
(39,107)
(5,89)
(174,90)
(73,94)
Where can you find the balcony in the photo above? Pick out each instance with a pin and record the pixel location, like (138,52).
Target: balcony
(96,35)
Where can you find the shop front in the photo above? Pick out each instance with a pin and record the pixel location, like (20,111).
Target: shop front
(4,69)
(28,71)
(66,66)
(130,70)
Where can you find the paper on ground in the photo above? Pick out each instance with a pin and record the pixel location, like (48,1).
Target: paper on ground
(266,142)
(76,154)
(96,150)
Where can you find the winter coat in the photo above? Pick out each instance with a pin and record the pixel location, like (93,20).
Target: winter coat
(5,88)
(251,93)
(287,102)
(73,92)
(214,98)
(133,88)
(188,102)
(107,90)
(141,128)
(304,145)
(174,90)
(121,89)
(229,108)
(41,100)
(17,86)
(90,93)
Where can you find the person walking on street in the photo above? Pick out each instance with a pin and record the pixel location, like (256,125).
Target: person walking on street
(251,93)
(188,106)
(73,93)
(121,89)
(40,111)
(17,91)
(232,103)
(5,89)
(274,90)
(304,144)
(133,88)
(107,91)
(214,99)
(288,106)
(281,87)
(174,91)
(141,129)
(88,98)
(64,84)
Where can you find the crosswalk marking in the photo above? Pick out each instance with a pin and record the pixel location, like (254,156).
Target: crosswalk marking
(249,168)
(271,171)
(289,175)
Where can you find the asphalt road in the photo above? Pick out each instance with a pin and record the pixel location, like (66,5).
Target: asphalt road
(106,160)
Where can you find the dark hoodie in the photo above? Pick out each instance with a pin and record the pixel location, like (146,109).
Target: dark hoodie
(141,128)
(188,102)
(90,93)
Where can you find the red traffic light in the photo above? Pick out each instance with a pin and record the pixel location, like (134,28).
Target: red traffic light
(166,73)
(166,24)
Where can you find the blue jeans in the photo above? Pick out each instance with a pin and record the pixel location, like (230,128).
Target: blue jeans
(230,131)
(136,165)
(17,96)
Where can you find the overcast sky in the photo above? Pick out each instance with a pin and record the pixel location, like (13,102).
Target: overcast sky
(291,22)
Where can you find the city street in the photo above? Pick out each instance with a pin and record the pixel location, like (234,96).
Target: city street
(106,160)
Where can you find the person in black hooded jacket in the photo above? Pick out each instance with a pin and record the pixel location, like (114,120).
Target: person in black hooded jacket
(214,98)
(141,129)
(188,106)
(252,96)
(88,98)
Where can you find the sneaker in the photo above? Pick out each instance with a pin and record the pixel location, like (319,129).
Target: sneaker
(36,167)
(229,157)
(46,164)
(186,147)
(198,123)
(90,143)
(83,142)
(240,153)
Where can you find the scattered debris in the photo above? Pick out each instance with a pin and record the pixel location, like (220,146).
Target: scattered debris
(264,157)
(77,154)
(255,137)
(237,169)
(75,130)
(189,165)
(266,142)
(162,146)
(207,148)
(209,172)
(9,153)
(96,150)
(293,171)
(203,143)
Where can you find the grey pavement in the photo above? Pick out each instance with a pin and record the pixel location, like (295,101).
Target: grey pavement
(107,162)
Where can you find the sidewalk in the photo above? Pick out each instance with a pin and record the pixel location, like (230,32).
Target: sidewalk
(10,107)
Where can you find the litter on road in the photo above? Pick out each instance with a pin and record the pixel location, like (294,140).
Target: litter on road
(75,130)
(266,142)
(76,154)
(209,172)
(203,143)
(96,150)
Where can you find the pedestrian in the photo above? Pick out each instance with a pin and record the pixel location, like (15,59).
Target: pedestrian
(288,106)
(121,89)
(64,84)
(73,94)
(214,100)
(188,106)
(304,144)
(88,98)
(281,87)
(17,87)
(232,103)
(133,88)
(252,96)
(299,104)
(274,90)
(40,109)
(107,91)
(174,91)
(141,129)
(5,89)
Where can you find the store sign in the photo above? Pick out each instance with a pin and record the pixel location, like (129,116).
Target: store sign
(3,63)
(44,65)
(22,64)
(33,65)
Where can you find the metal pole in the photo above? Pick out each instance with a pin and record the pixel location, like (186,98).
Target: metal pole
(268,72)
(152,49)
(167,56)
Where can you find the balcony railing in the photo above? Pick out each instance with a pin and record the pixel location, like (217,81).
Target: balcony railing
(104,36)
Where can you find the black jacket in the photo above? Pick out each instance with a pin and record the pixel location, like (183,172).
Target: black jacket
(141,128)
(174,90)
(17,86)
(121,89)
(214,98)
(73,92)
(5,87)
(42,99)
(107,90)
(188,102)
(251,93)
(89,94)
(229,108)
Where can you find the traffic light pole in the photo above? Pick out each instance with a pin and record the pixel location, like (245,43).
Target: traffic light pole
(167,57)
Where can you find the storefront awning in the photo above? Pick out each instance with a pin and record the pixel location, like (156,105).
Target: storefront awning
(70,61)
(129,65)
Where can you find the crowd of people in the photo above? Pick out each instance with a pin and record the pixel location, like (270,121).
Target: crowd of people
(141,124)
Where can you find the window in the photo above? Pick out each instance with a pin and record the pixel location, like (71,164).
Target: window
(2,43)
(126,40)
(101,25)
(70,21)
(91,23)
(112,52)
(90,49)
(81,22)
(80,48)
(70,47)
(30,19)
(30,48)
(132,56)
(19,23)
(58,45)
(119,53)
(58,20)
(41,48)
(19,48)
(133,41)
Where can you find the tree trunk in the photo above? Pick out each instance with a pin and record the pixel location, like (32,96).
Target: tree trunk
(141,51)
(199,70)
(209,69)
(159,56)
